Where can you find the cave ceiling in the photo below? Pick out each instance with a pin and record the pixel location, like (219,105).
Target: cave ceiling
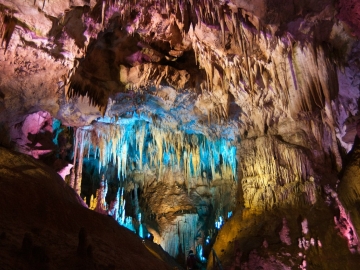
(220,68)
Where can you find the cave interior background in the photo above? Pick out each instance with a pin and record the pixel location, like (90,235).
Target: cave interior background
(230,125)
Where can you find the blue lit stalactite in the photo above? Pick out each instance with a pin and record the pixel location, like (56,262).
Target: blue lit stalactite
(140,147)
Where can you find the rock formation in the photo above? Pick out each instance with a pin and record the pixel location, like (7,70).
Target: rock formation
(227,125)
(44,225)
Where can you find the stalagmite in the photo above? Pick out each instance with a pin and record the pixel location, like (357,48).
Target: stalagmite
(121,216)
(114,207)
(101,206)
(93,202)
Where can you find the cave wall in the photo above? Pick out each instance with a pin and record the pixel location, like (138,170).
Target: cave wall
(277,79)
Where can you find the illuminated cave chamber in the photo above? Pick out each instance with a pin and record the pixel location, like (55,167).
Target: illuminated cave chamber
(178,186)
(185,112)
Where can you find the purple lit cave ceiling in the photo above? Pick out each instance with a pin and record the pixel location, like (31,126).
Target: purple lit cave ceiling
(135,131)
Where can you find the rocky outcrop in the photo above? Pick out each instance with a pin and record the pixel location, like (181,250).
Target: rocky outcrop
(36,203)
(349,187)
(284,201)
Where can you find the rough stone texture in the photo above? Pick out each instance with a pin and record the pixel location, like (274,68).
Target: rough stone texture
(350,13)
(34,135)
(281,77)
(35,201)
(349,185)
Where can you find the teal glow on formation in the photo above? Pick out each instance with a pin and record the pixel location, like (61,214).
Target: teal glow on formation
(56,126)
(133,145)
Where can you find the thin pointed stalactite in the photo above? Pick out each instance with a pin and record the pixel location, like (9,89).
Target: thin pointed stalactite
(73,171)
(103,13)
(78,179)
(126,146)
(140,136)
(136,201)
(7,29)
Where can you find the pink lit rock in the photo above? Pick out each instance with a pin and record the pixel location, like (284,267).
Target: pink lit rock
(36,122)
(284,233)
(344,223)
(258,262)
(303,265)
(312,242)
(304,225)
(300,244)
(37,153)
(350,13)
(65,171)
(265,244)
(33,136)
(346,228)
(319,243)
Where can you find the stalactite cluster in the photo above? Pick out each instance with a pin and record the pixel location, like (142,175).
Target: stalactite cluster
(241,59)
(182,233)
(275,174)
(216,13)
(293,74)
(97,93)
(131,146)
(137,146)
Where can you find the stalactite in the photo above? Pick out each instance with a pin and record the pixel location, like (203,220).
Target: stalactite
(114,207)
(261,171)
(7,28)
(136,201)
(140,137)
(82,142)
(126,144)
(122,160)
(158,136)
(103,13)
(73,172)
(221,19)
(181,234)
